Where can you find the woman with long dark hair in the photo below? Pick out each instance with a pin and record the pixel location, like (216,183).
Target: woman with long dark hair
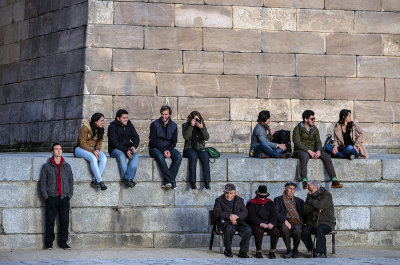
(88,146)
(195,134)
(348,138)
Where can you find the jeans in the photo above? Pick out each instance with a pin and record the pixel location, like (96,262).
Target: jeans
(344,153)
(56,205)
(321,231)
(244,232)
(268,150)
(326,159)
(128,171)
(170,173)
(96,165)
(192,155)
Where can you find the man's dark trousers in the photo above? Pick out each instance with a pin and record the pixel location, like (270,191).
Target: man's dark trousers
(321,231)
(295,231)
(244,233)
(170,173)
(326,159)
(56,205)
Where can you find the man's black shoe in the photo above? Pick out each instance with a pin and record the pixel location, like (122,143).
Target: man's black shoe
(288,254)
(49,247)
(133,184)
(295,254)
(94,184)
(193,186)
(243,255)
(320,255)
(102,185)
(228,253)
(271,255)
(64,246)
(259,255)
(207,185)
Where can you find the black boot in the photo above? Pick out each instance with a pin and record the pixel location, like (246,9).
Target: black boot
(102,185)
(207,185)
(193,186)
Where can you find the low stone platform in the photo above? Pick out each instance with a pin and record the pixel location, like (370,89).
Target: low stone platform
(367,208)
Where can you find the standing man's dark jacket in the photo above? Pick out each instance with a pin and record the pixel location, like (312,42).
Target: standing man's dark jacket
(222,209)
(322,199)
(261,213)
(122,137)
(49,179)
(163,137)
(304,140)
(281,212)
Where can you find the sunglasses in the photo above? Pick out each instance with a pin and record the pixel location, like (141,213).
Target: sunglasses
(312,119)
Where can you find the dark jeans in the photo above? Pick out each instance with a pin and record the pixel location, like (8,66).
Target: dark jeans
(192,155)
(295,232)
(321,231)
(170,173)
(259,234)
(244,233)
(326,159)
(342,153)
(56,205)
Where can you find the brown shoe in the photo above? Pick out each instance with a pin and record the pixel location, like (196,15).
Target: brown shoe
(336,185)
(305,185)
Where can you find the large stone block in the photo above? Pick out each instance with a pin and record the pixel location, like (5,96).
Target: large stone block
(372,111)
(235,40)
(325,110)
(378,66)
(248,109)
(264,18)
(6,15)
(390,5)
(291,87)
(115,36)
(353,218)
(11,169)
(377,133)
(98,59)
(144,107)
(358,170)
(159,38)
(385,218)
(183,174)
(203,62)
(120,83)
(377,22)
(377,239)
(100,12)
(360,44)
(103,240)
(229,131)
(203,16)
(86,196)
(318,4)
(144,171)
(390,169)
(145,14)
(355,88)
(21,241)
(23,221)
(325,20)
(21,194)
(210,108)
(169,240)
(294,42)
(147,61)
(395,136)
(391,45)
(146,194)
(259,64)
(97,103)
(83,220)
(325,65)
(18,12)
(354,5)
(195,85)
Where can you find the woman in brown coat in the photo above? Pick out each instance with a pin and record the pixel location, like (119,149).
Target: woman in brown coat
(348,138)
(88,146)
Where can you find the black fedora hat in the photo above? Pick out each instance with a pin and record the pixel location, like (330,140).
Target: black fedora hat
(262,189)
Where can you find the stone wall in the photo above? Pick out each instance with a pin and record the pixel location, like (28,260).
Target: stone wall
(367,208)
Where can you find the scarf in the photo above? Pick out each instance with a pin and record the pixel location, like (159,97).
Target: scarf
(59,173)
(257,200)
(268,130)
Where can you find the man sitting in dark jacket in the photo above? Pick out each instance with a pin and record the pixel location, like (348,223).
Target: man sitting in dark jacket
(123,140)
(231,208)
(262,218)
(289,214)
(319,217)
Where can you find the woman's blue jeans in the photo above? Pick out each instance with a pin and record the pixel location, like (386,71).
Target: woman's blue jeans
(268,150)
(344,153)
(96,165)
(128,170)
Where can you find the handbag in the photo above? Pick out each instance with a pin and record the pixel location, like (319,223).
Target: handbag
(213,153)
(328,145)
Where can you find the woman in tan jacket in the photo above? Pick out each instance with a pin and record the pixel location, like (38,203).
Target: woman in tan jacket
(88,146)
(348,138)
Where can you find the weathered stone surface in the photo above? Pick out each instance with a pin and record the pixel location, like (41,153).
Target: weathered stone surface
(391,45)
(21,194)
(353,218)
(390,5)
(203,62)
(104,240)
(378,238)
(144,107)
(98,59)
(96,103)
(294,42)
(203,16)
(164,240)
(120,83)
(259,64)
(248,109)
(325,20)
(390,169)
(325,65)
(295,3)
(145,14)
(264,18)
(182,175)
(100,12)
(18,12)
(115,36)
(360,44)
(21,241)
(235,2)
(378,66)
(354,5)
(370,111)
(210,108)
(392,89)
(377,133)
(83,219)
(146,194)
(194,85)
(231,131)
(158,38)
(6,15)
(325,110)
(291,87)
(144,171)
(358,170)
(86,196)
(147,61)
(384,218)
(395,134)
(234,40)
(355,88)
(377,22)
(21,221)
(11,169)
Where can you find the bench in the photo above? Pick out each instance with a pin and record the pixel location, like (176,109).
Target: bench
(216,230)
